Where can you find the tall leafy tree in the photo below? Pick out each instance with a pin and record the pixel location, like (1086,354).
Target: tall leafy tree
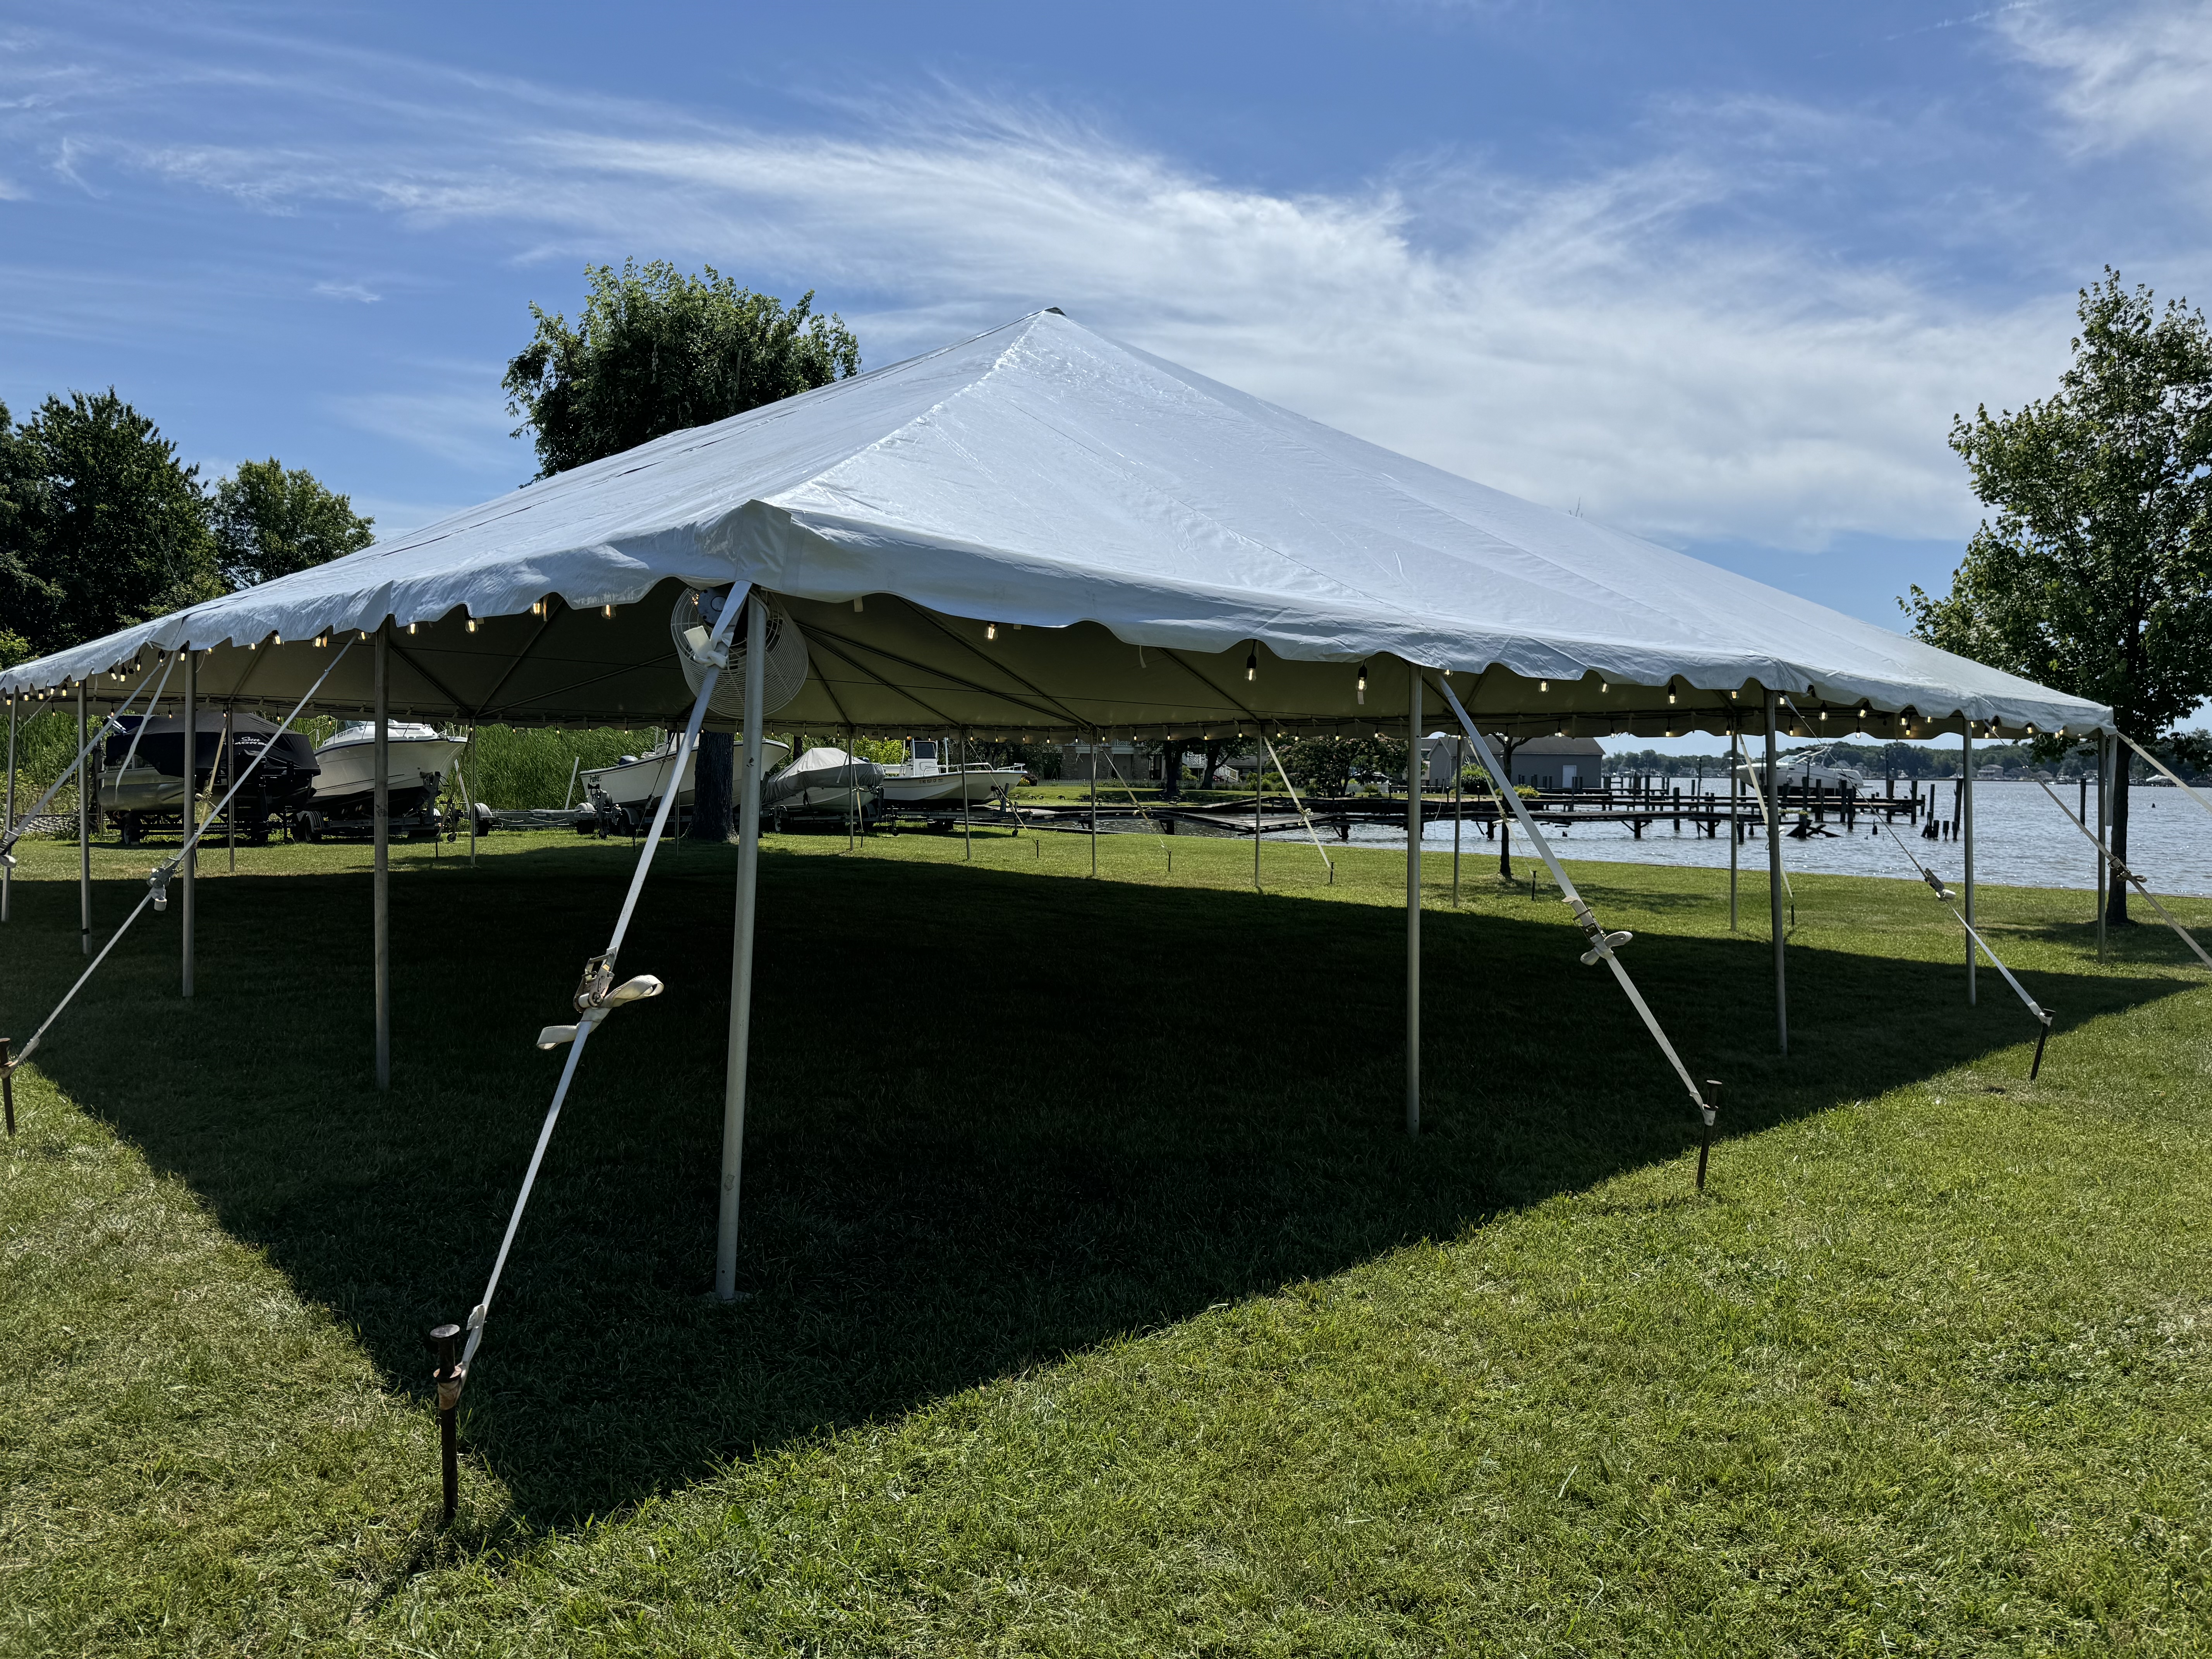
(655,350)
(269,522)
(102,526)
(2093,573)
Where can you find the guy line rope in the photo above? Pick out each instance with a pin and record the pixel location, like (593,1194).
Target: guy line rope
(1945,895)
(1603,944)
(2126,874)
(597,995)
(15,832)
(157,883)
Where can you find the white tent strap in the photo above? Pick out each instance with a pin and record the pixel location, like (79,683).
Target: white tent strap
(144,899)
(1098,747)
(267,749)
(15,832)
(477,1315)
(2127,875)
(153,707)
(158,883)
(1602,943)
(2165,769)
(1942,893)
(591,1015)
(1305,818)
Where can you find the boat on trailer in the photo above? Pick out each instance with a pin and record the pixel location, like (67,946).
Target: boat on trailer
(921,779)
(825,779)
(142,774)
(416,759)
(625,793)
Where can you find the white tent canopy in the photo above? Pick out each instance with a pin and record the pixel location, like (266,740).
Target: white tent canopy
(1050,531)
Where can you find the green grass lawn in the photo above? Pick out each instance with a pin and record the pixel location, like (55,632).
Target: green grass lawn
(1098,1302)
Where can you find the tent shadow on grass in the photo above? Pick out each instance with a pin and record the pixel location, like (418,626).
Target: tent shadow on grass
(995,1120)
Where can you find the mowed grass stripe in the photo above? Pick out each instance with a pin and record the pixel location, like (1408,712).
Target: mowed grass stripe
(1099,1303)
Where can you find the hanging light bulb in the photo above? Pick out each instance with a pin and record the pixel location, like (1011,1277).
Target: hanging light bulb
(1543,685)
(990,630)
(1362,686)
(608,611)
(472,624)
(1670,699)
(1603,688)
(538,607)
(411,629)
(1251,664)
(322,639)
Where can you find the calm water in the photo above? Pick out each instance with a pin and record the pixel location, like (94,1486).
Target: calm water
(2020,840)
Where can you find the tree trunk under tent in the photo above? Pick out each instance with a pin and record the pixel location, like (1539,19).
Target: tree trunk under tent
(1171,769)
(2115,895)
(714,784)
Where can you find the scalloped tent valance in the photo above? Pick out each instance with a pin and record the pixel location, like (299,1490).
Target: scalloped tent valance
(1039,530)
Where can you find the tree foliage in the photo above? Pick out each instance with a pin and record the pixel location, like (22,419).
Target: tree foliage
(1324,766)
(2094,573)
(655,350)
(104,527)
(269,522)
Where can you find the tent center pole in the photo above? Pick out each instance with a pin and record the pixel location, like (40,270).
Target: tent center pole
(381,830)
(1774,881)
(741,954)
(192,802)
(1966,841)
(87,777)
(1413,901)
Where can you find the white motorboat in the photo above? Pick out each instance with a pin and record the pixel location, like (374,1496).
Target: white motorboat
(1809,771)
(823,779)
(635,782)
(142,778)
(920,780)
(417,757)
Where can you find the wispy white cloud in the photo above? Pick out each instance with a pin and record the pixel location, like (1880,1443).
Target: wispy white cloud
(2125,77)
(1638,338)
(353,291)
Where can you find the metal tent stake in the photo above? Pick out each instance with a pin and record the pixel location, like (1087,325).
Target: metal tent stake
(2041,1037)
(447,1376)
(1705,1144)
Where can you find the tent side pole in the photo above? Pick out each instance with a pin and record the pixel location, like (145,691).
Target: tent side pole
(1094,801)
(191,804)
(2104,747)
(967,842)
(1774,882)
(230,812)
(1735,806)
(741,954)
(1966,841)
(1412,901)
(86,781)
(8,872)
(380,880)
(1459,802)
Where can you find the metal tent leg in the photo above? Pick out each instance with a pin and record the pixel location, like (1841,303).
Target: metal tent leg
(1736,806)
(1413,901)
(192,805)
(88,774)
(1967,842)
(381,884)
(741,957)
(8,870)
(1774,881)
(2106,748)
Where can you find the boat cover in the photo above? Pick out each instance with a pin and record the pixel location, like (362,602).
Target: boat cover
(1054,532)
(822,767)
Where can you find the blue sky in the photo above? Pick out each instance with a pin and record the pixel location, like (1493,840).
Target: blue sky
(1720,274)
